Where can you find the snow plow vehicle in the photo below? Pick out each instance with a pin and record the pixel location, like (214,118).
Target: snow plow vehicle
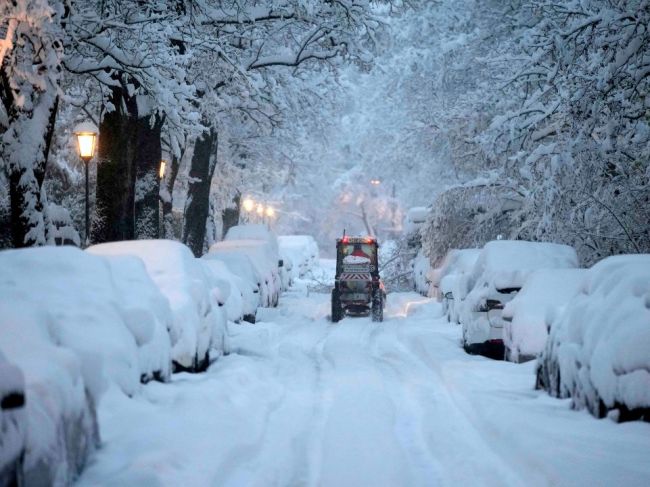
(358,288)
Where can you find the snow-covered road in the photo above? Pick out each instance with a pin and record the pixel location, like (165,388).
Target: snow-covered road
(300,401)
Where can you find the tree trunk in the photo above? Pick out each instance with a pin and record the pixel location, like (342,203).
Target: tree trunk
(230,216)
(197,206)
(167,199)
(147,186)
(116,171)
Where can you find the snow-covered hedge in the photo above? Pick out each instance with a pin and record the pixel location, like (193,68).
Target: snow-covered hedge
(598,350)
(301,251)
(499,272)
(529,315)
(181,279)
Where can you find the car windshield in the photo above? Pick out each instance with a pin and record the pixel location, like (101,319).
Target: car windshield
(360,250)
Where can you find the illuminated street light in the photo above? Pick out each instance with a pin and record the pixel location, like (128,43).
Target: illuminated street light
(249,205)
(375,182)
(270,211)
(260,209)
(86,134)
(163,165)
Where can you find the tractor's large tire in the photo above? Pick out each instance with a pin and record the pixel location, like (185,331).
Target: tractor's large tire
(377,310)
(337,309)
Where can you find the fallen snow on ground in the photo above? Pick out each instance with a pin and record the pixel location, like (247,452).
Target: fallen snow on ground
(302,401)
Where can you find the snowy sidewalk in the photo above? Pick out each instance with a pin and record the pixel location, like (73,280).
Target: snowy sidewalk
(301,401)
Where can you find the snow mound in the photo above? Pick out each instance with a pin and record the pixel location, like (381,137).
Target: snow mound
(13,430)
(415,218)
(529,315)
(598,351)
(421,272)
(181,279)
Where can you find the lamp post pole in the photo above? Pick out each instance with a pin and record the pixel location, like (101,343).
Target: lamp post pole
(86,134)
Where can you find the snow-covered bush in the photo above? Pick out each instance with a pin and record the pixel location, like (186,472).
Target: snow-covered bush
(499,272)
(180,278)
(598,350)
(301,250)
(421,271)
(450,281)
(529,315)
(13,422)
(264,261)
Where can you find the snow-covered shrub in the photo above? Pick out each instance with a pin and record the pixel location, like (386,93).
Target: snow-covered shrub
(301,250)
(499,272)
(62,226)
(13,422)
(421,271)
(529,315)
(414,220)
(450,280)
(180,278)
(598,350)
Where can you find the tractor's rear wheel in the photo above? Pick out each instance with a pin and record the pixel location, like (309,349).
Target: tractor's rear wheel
(377,306)
(337,309)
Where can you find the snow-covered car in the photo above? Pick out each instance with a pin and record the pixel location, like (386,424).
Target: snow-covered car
(224,289)
(250,283)
(598,349)
(301,250)
(264,261)
(421,272)
(181,279)
(13,423)
(147,314)
(261,234)
(498,274)
(450,280)
(529,315)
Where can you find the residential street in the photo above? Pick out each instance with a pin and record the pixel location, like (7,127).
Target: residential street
(301,401)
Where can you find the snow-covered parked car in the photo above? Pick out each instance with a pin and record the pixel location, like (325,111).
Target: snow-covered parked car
(13,423)
(179,276)
(529,315)
(246,276)
(421,272)
(61,324)
(301,251)
(224,288)
(450,280)
(264,261)
(598,349)
(261,234)
(498,274)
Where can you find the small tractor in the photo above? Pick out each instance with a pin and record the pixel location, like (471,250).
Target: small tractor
(357,289)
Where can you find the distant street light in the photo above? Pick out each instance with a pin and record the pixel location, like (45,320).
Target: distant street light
(86,134)
(375,182)
(163,166)
(270,211)
(249,205)
(260,211)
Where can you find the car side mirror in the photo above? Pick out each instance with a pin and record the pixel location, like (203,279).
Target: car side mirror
(491,304)
(449,295)
(280,263)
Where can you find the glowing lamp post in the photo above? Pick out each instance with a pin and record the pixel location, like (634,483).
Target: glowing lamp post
(260,211)
(270,212)
(86,134)
(163,166)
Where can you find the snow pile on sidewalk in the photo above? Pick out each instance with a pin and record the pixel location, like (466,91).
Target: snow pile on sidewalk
(421,272)
(181,279)
(12,421)
(529,315)
(301,250)
(598,351)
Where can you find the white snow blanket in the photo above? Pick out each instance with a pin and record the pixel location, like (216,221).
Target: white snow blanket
(254,289)
(13,421)
(598,351)
(529,315)
(181,279)
(502,265)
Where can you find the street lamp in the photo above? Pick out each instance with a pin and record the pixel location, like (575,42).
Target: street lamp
(163,165)
(270,211)
(375,182)
(260,211)
(86,134)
